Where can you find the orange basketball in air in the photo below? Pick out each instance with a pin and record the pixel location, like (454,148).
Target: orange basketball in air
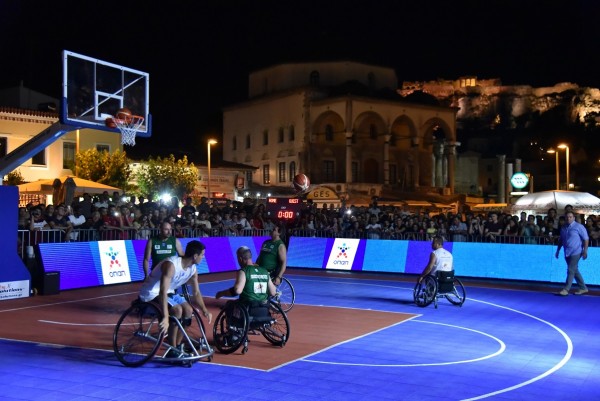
(301,183)
(110,122)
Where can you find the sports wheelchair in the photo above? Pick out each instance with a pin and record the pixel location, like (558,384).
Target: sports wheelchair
(286,295)
(236,320)
(441,285)
(137,337)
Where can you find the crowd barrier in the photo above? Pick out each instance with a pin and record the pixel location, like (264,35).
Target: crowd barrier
(412,236)
(82,263)
(28,239)
(31,238)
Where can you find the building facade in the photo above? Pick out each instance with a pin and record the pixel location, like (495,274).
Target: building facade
(24,114)
(343,125)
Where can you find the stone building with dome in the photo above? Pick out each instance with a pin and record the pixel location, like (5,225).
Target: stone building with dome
(345,126)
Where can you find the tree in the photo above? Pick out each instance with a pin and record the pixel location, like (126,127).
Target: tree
(14,178)
(107,168)
(160,175)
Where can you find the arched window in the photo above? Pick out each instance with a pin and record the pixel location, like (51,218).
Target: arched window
(248,141)
(292,135)
(281,172)
(329,132)
(314,78)
(373,131)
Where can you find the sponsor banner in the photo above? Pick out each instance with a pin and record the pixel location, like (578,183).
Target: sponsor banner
(14,289)
(113,259)
(342,254)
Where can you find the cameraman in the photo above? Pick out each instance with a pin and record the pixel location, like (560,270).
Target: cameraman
(475,229)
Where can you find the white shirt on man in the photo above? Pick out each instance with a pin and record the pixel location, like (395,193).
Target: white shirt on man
(443,261)
(151,287)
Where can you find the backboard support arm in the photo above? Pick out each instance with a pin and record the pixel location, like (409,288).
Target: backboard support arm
(27,150)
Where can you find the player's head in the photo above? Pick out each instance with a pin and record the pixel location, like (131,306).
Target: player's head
(165,229)
(275,233)
(244,255)
(437,242)
(194,248)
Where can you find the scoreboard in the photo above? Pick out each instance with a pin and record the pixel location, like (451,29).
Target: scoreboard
(283,208)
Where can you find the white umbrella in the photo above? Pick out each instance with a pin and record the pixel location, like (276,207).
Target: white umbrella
(540,202)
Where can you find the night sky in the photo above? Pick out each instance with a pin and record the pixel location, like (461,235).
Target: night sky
(199,53)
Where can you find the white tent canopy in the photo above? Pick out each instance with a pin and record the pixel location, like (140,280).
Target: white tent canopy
(539,202)
(64,188)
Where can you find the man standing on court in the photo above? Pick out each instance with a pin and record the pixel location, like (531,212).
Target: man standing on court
(273,256)
(574,238)
(161,247)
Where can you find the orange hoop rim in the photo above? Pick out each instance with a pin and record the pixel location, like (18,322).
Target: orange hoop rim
(133,118)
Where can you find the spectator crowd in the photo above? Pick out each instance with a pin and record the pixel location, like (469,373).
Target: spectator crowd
(118,217)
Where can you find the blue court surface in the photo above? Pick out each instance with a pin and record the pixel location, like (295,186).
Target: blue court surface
(502,344)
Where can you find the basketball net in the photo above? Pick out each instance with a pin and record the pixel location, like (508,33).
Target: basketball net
(129,127)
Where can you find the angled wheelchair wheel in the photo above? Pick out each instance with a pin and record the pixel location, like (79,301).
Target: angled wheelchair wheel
(231,327)
(137,336)
(186,292)
(425,291)
(286,296)
(458,295)
(197,336)
(196,330)
(277,332)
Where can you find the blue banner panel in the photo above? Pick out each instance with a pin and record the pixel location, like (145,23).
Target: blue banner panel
(307,252)
(89,264)
(477,260)
(385,256)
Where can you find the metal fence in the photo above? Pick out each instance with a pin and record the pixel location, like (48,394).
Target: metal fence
(419,236)
(27,239)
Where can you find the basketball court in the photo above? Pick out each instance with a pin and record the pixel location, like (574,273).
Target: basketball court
(352,337)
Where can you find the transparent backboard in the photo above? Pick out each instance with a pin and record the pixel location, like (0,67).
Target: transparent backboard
(93,90)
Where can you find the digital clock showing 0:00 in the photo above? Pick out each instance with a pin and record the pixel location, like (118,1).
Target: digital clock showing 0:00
(286,214)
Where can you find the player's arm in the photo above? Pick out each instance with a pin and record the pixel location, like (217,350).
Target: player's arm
(179,248)
(168,270)
(238,287)
(282,255)
(147,256)
(429,266)
(193,281)
(271,289)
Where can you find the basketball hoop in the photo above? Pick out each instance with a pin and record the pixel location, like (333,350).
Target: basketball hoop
(128,126)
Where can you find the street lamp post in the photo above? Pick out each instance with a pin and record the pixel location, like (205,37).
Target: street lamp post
(552,150)
(564,146)
(210,142)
